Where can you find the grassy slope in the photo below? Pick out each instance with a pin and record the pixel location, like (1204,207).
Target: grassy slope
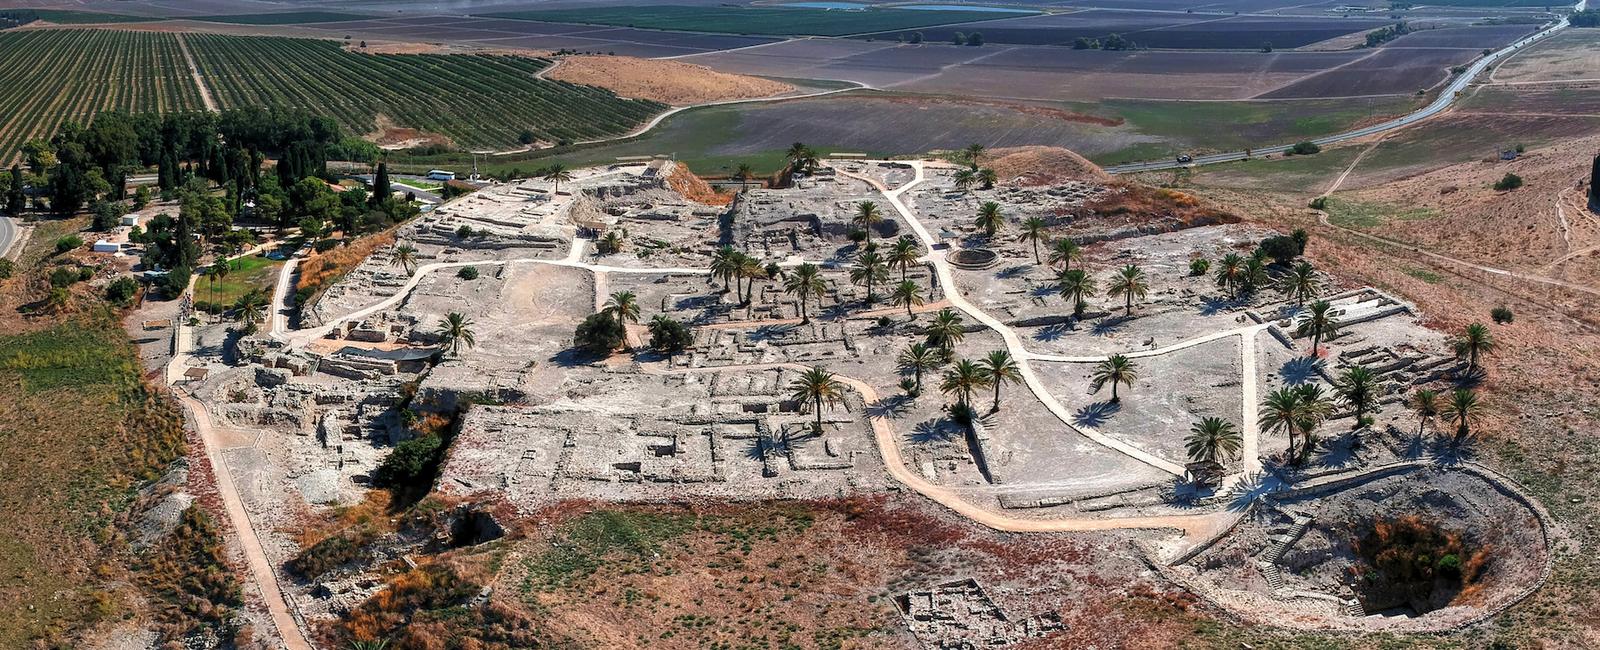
(79,434)
(698,137)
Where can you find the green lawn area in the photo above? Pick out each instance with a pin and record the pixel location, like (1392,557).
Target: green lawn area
(249,273)
(775,21)
(1303,175)
(289,18)
(1361,214)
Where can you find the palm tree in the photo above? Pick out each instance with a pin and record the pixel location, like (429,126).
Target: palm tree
(211,279)
(454,330)
(1315,408)
(1116,370)
(965,178)
(751,269)
(611,243)
(1475,342)
(867,216)
(1426,404)
(1131,282)
(801,158)
(1301,282)
(869,269)
(946,330)
(1255,274)
(743,174)
(1230,273)
(962,380)
(252,310)
(999,368)
(1213,440)
(1317,323)
(555,174)
(1462,410)
(1282,410)
(1033,231)
(919,357)
(907,294)
(806,281)
(990,220)
(972,153)
(1064,251)
(817,386)
(1076,287)
(405,255)
(724,263)
(623,306)
(904,255)
(987,178)
(1358,387)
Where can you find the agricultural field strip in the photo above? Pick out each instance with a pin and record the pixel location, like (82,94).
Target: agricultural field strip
(74,73)
(476,100)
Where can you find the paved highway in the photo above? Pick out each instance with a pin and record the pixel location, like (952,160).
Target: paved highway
(1445,99)
(8,234)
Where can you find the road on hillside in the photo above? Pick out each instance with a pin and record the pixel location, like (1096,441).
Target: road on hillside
(8,234)
(1444,100)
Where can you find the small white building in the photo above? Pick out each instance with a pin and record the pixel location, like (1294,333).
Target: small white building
(106,246)
(441,175)
(130,219)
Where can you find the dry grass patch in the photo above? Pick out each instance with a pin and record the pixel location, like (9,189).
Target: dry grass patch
(668,82)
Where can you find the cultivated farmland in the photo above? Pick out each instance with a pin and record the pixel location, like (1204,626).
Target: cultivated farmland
(61,75)
(764,20)
(476,101)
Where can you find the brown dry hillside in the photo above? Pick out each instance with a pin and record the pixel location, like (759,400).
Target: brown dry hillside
(1543,227)
(1036,165)
(668,82)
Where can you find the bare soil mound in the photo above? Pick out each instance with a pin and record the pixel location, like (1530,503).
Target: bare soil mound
(668,82)
(1038,165)
(389,135)
(694,188)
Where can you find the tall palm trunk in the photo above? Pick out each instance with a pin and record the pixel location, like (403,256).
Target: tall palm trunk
(996,407)
(818,404)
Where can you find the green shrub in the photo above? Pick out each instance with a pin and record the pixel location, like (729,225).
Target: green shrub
(1280,248)
(325,245)
(1502,315)
(599,333)
(62,276)
(67,243)
(1508,182)
(411,462)
(468,273)
(122,290)
(669,336)
(1199,267)
(1304,148)
(1319,203)
(7,269)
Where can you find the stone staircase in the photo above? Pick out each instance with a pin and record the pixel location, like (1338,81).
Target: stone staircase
(1268,560)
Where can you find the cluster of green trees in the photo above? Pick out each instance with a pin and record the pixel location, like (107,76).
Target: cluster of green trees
(1383,35)
(1111,42)
(212,165)
(974,39)
(17,18)
(1585,18)
(606,330)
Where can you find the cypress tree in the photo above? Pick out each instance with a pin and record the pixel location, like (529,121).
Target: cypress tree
(380,185)
(16,200)
(1594,175)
